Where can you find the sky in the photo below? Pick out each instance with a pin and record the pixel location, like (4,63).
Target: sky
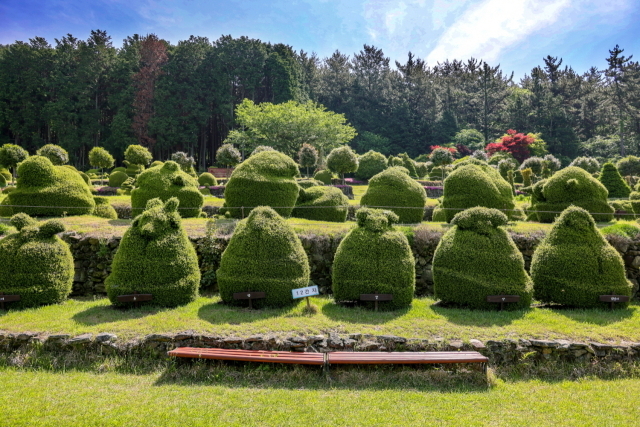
(516,34)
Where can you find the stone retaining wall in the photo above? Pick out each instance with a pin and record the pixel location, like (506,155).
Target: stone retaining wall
(510,351)
(93,258)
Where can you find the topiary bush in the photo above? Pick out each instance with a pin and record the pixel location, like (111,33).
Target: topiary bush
(35,263)
(55,153)
(325,176)
(155,163)
(133,170)
(85,178)
(374,258)
(589,164)
(137,155)
(3,181)
(371,163)
(422,169)
(307,156)
(474,183)
(228,155)
(396,190)
(117,178)
(11,155)
(476,258)
(103,208)
(50,190)
(260,149)
(615,184)
(264,179)
(409,164)
(629,165)
(575,264)
(342,160)
(322,203)
(207,179)
(438,215)
(277,265)
(156,257)
(165,182)
(6,174)
(100,158)
(119,169)
(570,186)
(308,183)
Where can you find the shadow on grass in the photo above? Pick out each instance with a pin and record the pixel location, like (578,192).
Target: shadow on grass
(356,313)
(467,317)
(600,317)
(221,313)
(107,314)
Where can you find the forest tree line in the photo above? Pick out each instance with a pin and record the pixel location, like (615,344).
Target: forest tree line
(86,93)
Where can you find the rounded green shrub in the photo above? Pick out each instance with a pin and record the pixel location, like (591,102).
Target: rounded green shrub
(471,185)
(103,208)
(438,172)
(409,164)
(133,170)
(476,258)
(634,199)
(322,203)
(47,190)
(438,215)
(422,169)
(6,174)
(119,169)
(85,178)
(374,258)
(397,191)
(260,149)
(570,186)
(264,179)
(308,183)
(3,181)
(35,263)
(55,153)
(207,179)
(629,165)
(156,163)
(575,264)
(371,163)
(165,182)
(100,158)
(613,181)
(325,176)
(156,257)
(589,164)
(342,160)
(263,255)
(117,178)
(138,155)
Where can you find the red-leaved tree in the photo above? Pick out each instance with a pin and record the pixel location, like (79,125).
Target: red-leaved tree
(513,142)
(451,149)
(153,55)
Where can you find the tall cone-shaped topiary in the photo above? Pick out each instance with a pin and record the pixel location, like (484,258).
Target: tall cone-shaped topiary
(474,183)
(35,263)
(374,258)
(264,179)
(47,190)
(165,182)
(613,181)
(570,186)
(575,264)
(263,255)
(476,258)
(156,256)
(394,189)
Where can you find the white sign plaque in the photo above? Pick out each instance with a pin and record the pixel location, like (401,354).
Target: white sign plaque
(305,292)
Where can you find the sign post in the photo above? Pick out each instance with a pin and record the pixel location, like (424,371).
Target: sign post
(305,293)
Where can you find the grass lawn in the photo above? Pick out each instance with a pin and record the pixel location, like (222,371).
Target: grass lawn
(217,395)
(422,320)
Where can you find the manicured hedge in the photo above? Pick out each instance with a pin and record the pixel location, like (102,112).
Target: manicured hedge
(103,208)
(52,190)
(613,181)
(395,189)
(374,258)
(207,180)
(308,183)
(264,179)
(371,163)
(263,255)
(325,176)
(165,182)
(570,186)
(322,203)
(156,256)
(117,178)
(35,263)
(475,183)
(575,264)
(476,258)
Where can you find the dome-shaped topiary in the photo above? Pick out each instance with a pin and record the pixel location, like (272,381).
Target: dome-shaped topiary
(394,189)
(476,258)
(324,176)
(570,186)
(371,163)
(575,264)
(117,178)
(85,178)
(374,258)
(472,184)
(308,183)
(165,182)
(155,163)
(322,203)
(409,164)
(118,169)
(47,190)
(55,153)
(263,255)
(35,263)
(103,208)
(156,256)
(613,181)
(138,155)
(207,179)
(264,179)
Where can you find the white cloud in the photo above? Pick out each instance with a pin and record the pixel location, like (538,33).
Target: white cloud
(486,29)
(395,17)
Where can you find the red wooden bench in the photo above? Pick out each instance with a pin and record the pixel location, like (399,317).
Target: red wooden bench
(250,355)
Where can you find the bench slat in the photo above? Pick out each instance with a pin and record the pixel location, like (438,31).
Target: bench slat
(614,298)
(249,355)
(249,295)
(503,298)
(134,298)
(9,298)
(347,357)
(376,297)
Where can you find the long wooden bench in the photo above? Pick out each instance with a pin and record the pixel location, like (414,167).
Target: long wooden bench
(250,355)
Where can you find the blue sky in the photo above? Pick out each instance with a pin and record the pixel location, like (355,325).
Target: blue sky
(514,33)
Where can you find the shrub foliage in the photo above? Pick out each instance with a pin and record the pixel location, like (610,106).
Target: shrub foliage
(394,188)
(322,203)
(371,163)
(613,181)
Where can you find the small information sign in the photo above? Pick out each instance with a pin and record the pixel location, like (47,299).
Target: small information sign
(309,291)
